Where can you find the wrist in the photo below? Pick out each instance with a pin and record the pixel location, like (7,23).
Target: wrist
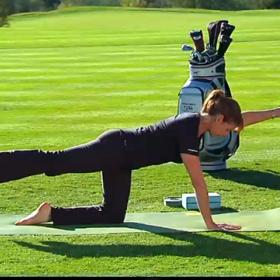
(275,113)
(209,223)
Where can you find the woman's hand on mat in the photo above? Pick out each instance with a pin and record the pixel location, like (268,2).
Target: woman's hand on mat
(223,227)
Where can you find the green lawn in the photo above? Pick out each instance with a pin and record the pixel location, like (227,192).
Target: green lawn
(69,75)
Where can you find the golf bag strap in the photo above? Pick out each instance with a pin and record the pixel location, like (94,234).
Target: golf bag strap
(213,85)
(227,89)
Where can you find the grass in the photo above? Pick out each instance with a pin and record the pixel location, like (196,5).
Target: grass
(69,75)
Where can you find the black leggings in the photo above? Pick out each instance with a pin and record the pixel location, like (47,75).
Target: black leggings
(105,154)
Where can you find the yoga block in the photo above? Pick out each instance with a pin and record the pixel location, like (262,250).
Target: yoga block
(173,201)
(189,201)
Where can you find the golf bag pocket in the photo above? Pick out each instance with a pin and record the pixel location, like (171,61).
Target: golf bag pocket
(190,100)
(218,147)
(192,95)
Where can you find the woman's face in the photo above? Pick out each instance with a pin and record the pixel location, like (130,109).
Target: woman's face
(220,128)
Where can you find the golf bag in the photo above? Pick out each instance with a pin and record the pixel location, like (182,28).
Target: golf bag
(207,73)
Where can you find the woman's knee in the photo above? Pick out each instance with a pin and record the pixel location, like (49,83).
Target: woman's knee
(116,220)
(114,216)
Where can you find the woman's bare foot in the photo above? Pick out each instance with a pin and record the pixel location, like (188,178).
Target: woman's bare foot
(40,215)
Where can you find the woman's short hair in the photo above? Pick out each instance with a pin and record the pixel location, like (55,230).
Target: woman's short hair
(217,103)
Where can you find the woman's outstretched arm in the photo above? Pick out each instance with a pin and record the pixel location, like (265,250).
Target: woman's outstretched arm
(253,117)
(192,164)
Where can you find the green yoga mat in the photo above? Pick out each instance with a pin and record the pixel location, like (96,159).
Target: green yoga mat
(165,222)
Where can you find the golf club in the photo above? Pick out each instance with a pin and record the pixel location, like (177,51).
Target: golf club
(197,37)
(224,44)
(227,29)
(187,48)
(214,31)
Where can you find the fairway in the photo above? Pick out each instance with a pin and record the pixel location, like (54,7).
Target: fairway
(69,75)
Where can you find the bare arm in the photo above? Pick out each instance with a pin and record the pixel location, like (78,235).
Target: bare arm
(192,164)
(253,117)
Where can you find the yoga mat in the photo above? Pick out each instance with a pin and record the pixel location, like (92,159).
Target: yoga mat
(165,222)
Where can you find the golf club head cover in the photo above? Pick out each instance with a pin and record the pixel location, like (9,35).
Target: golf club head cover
(197,37)
(214,31)
(227,29)
(224,44)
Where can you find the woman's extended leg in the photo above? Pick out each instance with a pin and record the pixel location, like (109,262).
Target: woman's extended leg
(116,190)
(91,157)
(19,164)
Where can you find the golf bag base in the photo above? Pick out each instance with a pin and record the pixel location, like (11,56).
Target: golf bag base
(204,78)
(214,165)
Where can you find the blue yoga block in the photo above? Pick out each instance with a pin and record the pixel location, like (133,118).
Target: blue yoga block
(189,201)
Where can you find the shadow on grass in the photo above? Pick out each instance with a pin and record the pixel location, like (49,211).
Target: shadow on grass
(245,248)
(264,179)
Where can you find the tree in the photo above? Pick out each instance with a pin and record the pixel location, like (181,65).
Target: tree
(274,4)
(142,3)
(52,4)
(4,11)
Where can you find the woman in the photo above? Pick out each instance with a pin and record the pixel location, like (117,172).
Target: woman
(117,152)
